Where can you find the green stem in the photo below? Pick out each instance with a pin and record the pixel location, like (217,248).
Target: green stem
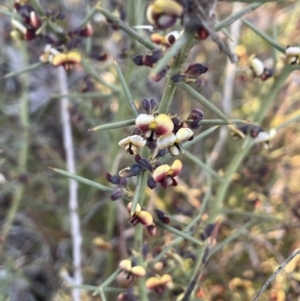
(179,233)
(83,180)
(189,143)
(83,95)
(199,265)
(170,86)
(138,233)
(88,17)
(267,101)
(102,295)
(205,102)
(139,191)
(237,160)
(126,90)
(222,122)
(107,282)
(131,32)
(91,71)
(202,165)
(264,36)
(222,190)
(113,125)
(234,17)
(24,70)
(37,7)
(187,228)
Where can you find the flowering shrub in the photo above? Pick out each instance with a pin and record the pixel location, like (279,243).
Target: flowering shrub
(165,220)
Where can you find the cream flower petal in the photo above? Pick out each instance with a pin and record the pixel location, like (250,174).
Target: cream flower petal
(143,122)
(184,134)
(137,140)
(124,141)
(165,141)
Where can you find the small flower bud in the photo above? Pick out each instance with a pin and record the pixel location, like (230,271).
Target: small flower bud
(152,230)
(116,195)
(87,31)
(151,183)
(138,60)
(178,78)
(196,69)
(202,33)
(267,74)
(114,179)
(157,77)
(196,115)
(132,171)
(146,105)
(143,162)
(101,244)
(171,38)
(30,34)
(162,216)
(257,66)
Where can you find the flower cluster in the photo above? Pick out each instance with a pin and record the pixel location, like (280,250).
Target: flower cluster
(163,133)
(130,271)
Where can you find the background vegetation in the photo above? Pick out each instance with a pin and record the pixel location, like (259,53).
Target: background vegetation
(252,191)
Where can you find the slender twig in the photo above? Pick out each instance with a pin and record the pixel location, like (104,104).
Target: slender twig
(91,71)
(264,36)
(205,102)
(203,165)
(199,266)
(173,51)
(273,276)
(179,233)
(24,70)
(126,89)
(237,15)
(73,184)
(206,24)
(113,125)
(107,282)
(131,32)
(83,180)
